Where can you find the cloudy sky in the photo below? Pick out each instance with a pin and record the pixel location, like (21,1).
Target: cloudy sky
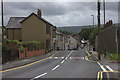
(61,13)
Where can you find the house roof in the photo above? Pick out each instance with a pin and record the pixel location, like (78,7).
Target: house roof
(57,32)
(14,22)
(37,17)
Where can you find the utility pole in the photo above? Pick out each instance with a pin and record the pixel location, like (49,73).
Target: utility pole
(99,29)
(117,41)
(93,20)
(104,11)
(2,20)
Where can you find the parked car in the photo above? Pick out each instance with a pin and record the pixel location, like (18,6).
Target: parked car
(75,47)
(70,48)
(82,46)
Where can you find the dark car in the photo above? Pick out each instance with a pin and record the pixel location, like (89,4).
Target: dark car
(82,46)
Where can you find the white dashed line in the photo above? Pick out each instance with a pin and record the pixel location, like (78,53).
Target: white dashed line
(63,61)
(50,57)
(56,57)
(55,67)
(66,58)
(70,57)
(83,58)
(109,68)
(39,76)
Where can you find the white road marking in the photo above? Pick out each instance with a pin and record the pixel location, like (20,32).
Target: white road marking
(50,57)
(63,61)
(39,76)
(96,57)
(102,67)
(55,67)
(109,68)
(83,58)
(56,57)
(76,58)
(69,55)
(66,58)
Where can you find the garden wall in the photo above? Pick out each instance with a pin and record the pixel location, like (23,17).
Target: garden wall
(28,53)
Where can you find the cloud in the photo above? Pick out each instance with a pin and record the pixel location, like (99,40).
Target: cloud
(61,13)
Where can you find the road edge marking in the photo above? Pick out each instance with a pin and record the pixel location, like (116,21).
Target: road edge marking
(88,53)
(101,76)
(101,67)
(86,57)
(109,68)
(29,64)
(98,76)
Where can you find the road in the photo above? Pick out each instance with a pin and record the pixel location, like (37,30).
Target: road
(64,64)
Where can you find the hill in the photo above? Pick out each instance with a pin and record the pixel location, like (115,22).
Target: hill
(79,28)
(72,28)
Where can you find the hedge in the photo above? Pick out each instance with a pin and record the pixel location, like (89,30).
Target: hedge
(33,44)
(10,48)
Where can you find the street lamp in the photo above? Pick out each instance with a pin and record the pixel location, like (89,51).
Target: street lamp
(93,20)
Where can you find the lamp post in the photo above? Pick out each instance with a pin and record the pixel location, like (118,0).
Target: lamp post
(93,20)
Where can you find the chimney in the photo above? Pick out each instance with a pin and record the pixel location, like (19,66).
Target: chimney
(39,12)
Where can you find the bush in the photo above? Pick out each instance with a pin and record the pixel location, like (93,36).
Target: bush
(10,48)
(6,41)
(21,49)
(32,44)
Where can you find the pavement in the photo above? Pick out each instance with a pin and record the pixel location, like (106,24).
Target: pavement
(112,68)
(63,64)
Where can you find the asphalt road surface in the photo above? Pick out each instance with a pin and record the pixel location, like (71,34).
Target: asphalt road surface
(64,64)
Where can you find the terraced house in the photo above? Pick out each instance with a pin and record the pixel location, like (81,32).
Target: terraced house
(32,28)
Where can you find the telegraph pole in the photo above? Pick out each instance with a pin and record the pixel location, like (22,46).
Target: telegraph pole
(104,11)
(93,20)
(2,20)
(117,41)
(99,29)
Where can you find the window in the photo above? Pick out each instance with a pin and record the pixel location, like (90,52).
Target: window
(47,44)
(47,28)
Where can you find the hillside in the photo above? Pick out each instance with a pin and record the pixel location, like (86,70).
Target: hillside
(72,28)
(78,28)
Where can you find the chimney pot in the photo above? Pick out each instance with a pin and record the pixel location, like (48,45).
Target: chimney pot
(39,12)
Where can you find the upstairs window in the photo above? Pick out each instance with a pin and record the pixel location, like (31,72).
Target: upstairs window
(47,28)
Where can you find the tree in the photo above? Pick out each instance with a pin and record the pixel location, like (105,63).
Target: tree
(89,34)
(85,33)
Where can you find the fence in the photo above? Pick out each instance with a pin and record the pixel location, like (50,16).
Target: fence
(28,53)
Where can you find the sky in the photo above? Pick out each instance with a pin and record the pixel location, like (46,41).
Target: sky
(62,14)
